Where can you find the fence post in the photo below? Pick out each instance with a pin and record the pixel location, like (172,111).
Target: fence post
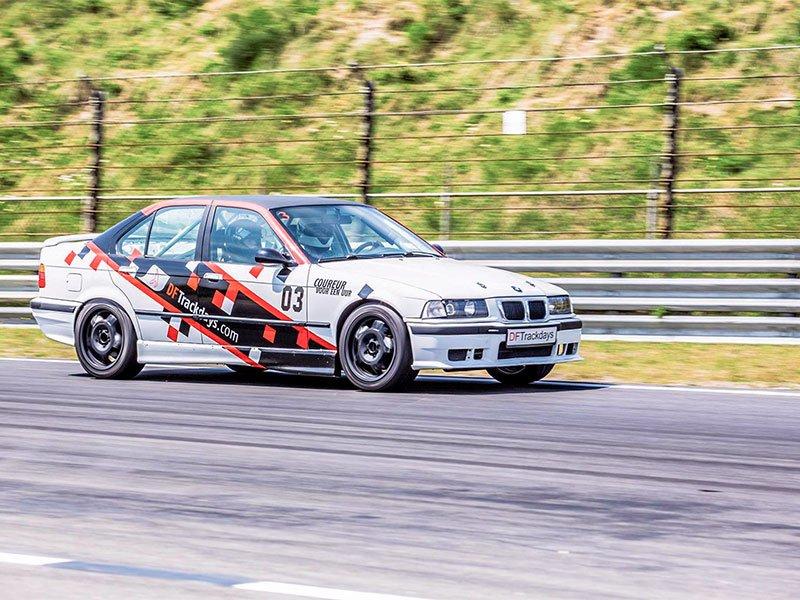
(669,164)
(92,202)
(364,158)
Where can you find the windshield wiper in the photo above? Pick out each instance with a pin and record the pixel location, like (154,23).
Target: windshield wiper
(337,258)
(412,253)
(408,254)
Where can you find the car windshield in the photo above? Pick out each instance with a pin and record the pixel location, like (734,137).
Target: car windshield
(332,232)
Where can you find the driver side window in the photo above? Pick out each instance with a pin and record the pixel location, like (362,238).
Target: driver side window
(237,234)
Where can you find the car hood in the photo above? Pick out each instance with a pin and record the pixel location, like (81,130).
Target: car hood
(443,277)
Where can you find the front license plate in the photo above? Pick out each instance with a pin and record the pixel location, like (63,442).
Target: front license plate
(531,337)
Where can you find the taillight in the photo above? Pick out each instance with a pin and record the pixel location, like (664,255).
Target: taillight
(41,275)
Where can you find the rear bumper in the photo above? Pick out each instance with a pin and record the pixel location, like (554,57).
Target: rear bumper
(481,346)
(56,318)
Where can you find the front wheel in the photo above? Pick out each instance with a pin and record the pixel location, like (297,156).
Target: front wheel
(521,375)
(374,349)
(105,341)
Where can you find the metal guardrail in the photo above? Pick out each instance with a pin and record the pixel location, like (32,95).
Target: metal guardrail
(711,307)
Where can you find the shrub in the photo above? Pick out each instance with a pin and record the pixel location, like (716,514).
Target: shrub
(441,20)
(259,31)
(7,74)
(267,31)
(704,38)
(649,66)
(8,180)
(210,30)
(504,11)
(174,8)
(419,35)
(187,155)
(51,13)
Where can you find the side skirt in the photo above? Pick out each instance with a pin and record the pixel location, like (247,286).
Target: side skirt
(205,354)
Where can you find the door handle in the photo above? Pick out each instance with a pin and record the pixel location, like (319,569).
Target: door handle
(212,281)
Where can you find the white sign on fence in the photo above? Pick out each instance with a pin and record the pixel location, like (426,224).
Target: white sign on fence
(514,122)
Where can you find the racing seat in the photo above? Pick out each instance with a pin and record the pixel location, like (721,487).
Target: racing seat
(238,242)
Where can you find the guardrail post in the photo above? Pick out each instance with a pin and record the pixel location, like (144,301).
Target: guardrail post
(669,164)
(445,216)
(92,202)
(651,207)
(367,129)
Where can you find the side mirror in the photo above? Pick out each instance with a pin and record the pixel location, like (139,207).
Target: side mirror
(272,257)
(439,249)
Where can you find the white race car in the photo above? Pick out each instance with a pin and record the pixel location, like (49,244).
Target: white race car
(302,284)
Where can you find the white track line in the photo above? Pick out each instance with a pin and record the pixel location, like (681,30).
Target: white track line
(676,388)
(311,591)
(634,386)
(273,587)
(30,560)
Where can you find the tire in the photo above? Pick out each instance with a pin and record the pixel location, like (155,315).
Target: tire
(520,375)
(245,370)
(374,349)
(105,341)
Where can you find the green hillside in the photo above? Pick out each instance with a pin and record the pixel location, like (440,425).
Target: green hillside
(46,39)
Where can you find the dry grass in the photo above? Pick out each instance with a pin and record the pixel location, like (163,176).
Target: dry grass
(695,364)
(30,343)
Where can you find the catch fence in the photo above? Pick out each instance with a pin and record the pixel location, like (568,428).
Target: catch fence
(623,145)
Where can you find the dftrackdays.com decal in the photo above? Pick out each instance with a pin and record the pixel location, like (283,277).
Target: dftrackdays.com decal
(193,307)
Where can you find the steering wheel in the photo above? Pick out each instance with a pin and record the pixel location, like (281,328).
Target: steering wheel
(367,245)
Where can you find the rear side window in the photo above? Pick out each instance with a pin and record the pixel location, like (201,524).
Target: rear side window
(135,241)
(174,233)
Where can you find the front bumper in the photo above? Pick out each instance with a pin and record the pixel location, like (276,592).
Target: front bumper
(480,346)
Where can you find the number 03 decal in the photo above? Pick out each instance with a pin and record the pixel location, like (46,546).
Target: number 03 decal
(289,294)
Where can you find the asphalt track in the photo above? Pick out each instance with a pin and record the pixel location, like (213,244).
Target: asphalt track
(184,482)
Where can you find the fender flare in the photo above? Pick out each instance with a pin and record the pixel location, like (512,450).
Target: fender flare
(348,311)
(128,313)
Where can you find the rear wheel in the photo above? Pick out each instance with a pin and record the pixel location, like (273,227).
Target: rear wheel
(374,349)
(105,341)
(521,375)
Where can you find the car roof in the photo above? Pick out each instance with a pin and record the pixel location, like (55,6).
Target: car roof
(270,201)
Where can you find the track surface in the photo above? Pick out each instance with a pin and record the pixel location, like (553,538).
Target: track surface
(455,490)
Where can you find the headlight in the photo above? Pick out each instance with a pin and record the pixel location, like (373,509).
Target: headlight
(455,309)
(559,305)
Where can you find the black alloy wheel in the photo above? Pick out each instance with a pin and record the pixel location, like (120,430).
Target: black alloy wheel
(375,351)
(105,341)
